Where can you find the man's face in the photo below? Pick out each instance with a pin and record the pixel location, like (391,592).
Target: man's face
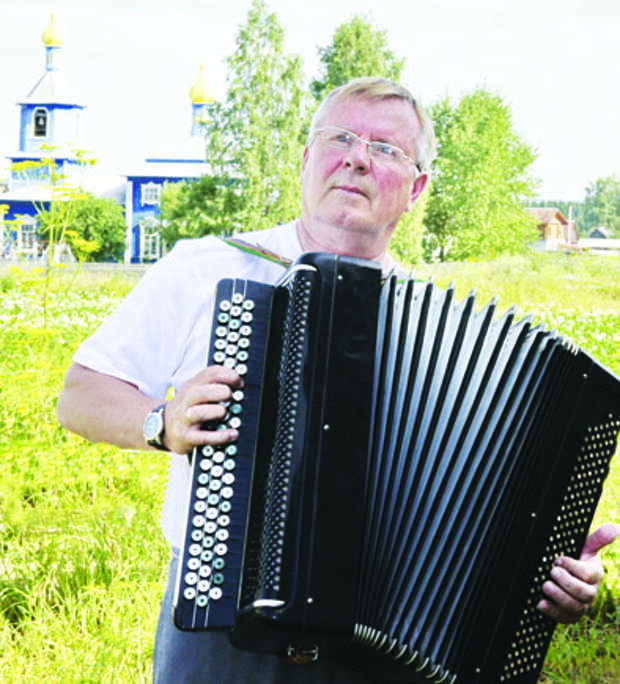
(351,202)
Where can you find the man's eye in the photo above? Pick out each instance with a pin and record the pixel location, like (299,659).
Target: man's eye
(384,149)
(343,138)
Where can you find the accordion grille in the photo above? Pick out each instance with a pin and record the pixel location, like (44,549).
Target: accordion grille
(266,530)
(531,636)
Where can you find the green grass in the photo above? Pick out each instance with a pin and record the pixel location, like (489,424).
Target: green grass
(82,559)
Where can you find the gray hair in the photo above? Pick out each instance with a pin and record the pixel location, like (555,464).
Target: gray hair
(374,88)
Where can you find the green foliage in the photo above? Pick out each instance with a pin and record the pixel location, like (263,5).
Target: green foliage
(475,209)
(357,49)
(254,141)
(406,243)
(195,208)
(81,556)
(93,227)
(602,204)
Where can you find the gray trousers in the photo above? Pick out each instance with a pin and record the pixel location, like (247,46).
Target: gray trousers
(194,657)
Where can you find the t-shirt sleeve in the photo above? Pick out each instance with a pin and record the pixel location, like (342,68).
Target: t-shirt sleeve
(145,339)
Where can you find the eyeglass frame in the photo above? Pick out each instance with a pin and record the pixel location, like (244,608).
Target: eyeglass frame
(371,145)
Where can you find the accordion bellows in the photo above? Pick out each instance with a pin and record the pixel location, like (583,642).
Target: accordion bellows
(407,470)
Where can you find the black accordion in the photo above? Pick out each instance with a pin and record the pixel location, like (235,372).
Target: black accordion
(406,472)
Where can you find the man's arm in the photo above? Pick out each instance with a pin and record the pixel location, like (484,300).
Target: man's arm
(574,584)
(103,408)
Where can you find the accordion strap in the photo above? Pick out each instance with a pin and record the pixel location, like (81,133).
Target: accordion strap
(258,251)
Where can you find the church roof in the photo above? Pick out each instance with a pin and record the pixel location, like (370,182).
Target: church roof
(200,92)
(52,88)
(169,168)
(51,37)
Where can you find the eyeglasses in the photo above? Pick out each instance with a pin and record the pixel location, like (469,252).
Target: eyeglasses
(342,139)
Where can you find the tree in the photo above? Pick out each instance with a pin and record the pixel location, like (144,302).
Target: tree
(602,204)
(190,209)
(93,227)
(356,50)
(406,242)
(475,207)
(254,139)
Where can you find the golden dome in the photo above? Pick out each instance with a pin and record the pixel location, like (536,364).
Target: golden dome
(199,93)
(51,37)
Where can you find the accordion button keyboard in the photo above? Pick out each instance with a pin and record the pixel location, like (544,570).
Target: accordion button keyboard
(217,510)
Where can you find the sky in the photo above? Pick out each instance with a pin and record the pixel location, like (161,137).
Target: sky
(556,63)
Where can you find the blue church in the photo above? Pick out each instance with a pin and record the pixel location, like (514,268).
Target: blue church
(50,129)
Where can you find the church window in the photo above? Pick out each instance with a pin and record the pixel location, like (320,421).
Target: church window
(151,193)
(27,244)
(150,239)
(40,123)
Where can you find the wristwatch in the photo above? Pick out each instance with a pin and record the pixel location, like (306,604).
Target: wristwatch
(154,427)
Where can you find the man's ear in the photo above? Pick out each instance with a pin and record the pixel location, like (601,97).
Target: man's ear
(417,189)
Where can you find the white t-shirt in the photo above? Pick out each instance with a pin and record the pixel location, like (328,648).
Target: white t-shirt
(159,335)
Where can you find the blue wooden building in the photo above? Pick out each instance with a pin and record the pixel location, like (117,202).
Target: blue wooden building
(145,183)
(50,129)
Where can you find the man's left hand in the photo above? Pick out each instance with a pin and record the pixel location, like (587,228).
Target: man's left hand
(574,583)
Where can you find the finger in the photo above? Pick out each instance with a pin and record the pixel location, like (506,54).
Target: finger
(204,413)
(559,614)
(582,590)
(603,536)
(213,437)
(560,605)
(587,571)
(220,374)
(207,394)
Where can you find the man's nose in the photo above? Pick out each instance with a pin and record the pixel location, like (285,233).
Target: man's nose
(358,156)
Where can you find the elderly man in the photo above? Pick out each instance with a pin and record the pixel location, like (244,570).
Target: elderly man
(365,163)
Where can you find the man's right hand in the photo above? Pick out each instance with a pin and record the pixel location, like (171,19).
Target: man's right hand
(197,402)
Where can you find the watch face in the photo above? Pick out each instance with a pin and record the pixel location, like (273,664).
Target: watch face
(152,425)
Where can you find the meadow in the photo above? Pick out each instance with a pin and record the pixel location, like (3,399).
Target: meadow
(82,559)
